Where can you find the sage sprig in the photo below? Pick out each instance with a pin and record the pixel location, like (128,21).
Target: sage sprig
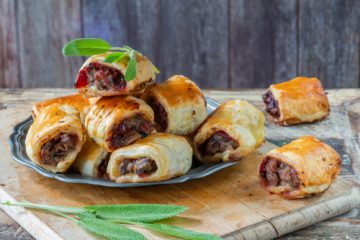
(94,46)
(110,221)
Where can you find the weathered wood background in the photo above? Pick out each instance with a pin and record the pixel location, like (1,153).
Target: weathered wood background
(218,43)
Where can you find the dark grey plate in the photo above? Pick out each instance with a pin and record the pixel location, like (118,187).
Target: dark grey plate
(17,146)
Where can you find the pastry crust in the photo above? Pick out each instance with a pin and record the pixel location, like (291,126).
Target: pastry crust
(183,102)
(238,119)
(90,158)
(109,112)
(172,154)
(316,165)
(53,120)
(300,100)
(78,101)
(145,76)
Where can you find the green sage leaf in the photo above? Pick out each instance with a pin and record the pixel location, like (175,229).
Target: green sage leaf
(136,212)
(86,47)
(131,67)
(178,231)
(107,229)
(115,57)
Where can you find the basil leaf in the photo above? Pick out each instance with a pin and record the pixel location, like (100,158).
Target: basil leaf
(178,231)
(86,47)
(115,57)
(107,229)
(131,67)
(136,212)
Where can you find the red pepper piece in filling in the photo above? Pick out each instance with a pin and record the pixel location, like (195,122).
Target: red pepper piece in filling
(82,79)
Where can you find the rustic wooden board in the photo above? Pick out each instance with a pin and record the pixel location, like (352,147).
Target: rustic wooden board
(229,203)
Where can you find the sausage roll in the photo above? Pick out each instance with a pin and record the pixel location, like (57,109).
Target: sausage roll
(303,167)
(55,138)
(158,157)
(117,121)
(232,131)
(178,104)
(78,101)
(98,78)
(300,100)
(92,160)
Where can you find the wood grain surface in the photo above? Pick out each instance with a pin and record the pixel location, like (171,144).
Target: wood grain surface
(217,43)
(341,130)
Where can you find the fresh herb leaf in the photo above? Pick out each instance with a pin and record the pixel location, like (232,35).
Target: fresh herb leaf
(136,212)
(115,57)
(107,229)
(45,207)
(178,231)
(131,67)
(86,47)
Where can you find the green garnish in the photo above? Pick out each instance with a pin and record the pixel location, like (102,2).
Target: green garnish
(111,221)
(94,46)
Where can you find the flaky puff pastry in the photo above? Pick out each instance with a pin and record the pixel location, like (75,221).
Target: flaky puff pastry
(81,103)
(306,167)
(109,112)
(241,121)
(92,160)
(183,103)
(171,153)
(52,121)
(300,100)
(145,76)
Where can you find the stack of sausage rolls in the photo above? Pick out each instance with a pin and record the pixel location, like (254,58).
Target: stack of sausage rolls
(138,130)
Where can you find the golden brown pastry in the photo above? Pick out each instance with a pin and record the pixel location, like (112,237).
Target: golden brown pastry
(98,78)
(300,100)
(178,104)
(157,157)
(92,160)
(302,168)
(78,101)
(233,130)
(118,121)
(55,138)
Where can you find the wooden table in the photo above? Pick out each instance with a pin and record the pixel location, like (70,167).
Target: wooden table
(342,131)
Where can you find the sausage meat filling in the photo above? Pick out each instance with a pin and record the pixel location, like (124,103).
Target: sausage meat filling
(102,76)
(129,130)
(55,150)
(219,142)
(101,173)
(160,113)
(277,173)
(141,166)
(272,106)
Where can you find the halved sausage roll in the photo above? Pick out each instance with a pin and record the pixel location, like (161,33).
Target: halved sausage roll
(158,157)
(55,138)
(92,160)
(300,100)
(118,121)
(178,104)
(78,101)
(302,168)
(98,78)
(233,130)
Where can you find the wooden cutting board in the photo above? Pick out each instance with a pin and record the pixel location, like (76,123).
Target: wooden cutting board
(229,203)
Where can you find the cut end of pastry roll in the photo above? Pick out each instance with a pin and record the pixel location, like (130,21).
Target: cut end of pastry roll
(178,104)
(118,121)
(300,100)
(92,160)
(157,157)
(302,168)
(55,138)
(81,103)
(99,78)
(231,132)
